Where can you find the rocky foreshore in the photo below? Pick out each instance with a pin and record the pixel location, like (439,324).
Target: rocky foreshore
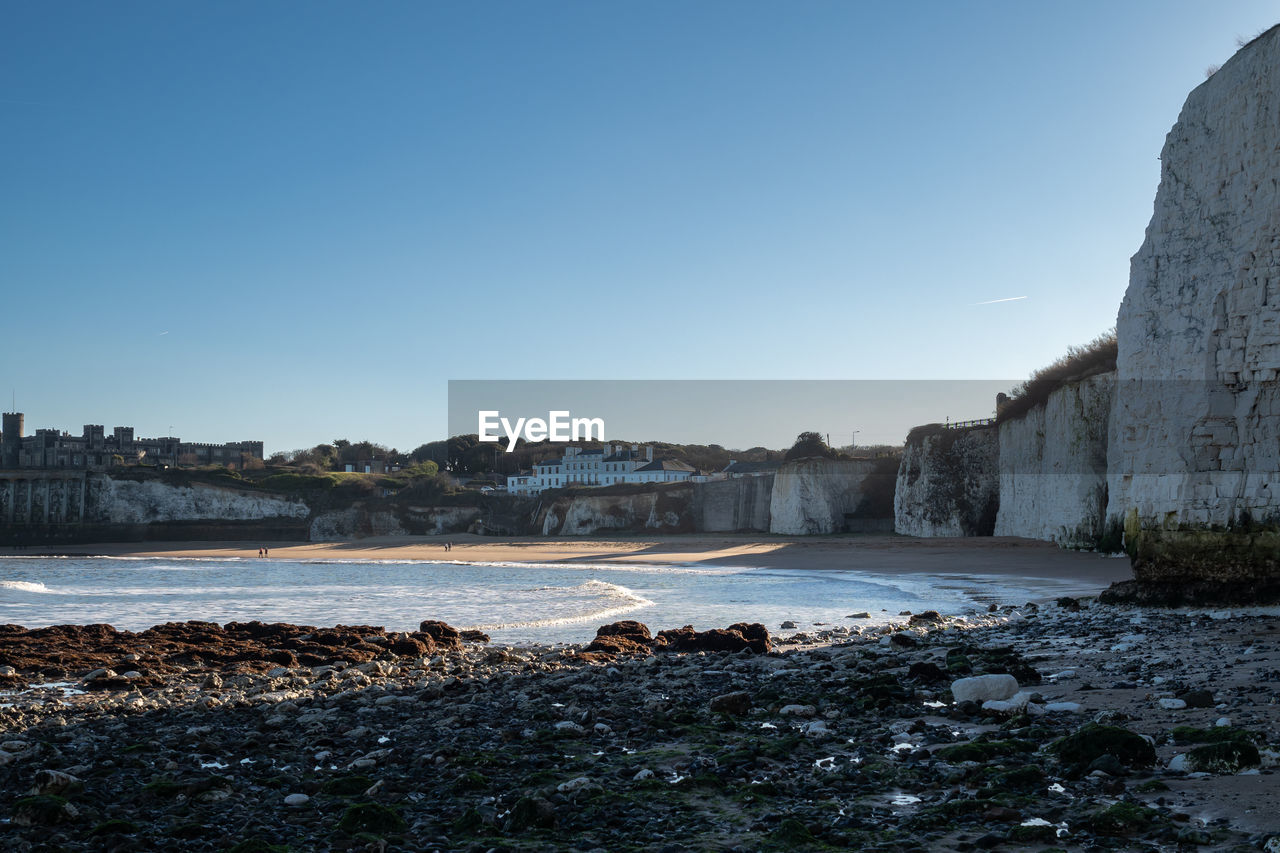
(1075,726)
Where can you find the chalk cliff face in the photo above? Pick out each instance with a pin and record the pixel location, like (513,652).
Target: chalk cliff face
(1053,466)
(812,496)
(948,484)
(660,510)
(354,522)
(142,502)
(1195,431)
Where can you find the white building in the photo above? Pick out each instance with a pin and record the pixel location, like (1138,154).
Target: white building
(521,484)
(608,466)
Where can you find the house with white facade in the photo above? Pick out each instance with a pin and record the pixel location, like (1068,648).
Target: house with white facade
(607,466)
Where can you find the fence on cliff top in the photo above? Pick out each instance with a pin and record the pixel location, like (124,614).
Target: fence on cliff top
(981,422)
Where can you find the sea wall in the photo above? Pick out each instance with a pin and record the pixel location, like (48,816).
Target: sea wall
(1194,459)
(948,483)
(815,496)
(739,504)
(1053,466)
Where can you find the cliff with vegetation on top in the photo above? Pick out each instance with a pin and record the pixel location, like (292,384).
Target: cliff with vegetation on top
(948,483)
(1194,472)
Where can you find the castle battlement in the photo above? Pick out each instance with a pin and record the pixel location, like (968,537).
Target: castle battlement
(94,449)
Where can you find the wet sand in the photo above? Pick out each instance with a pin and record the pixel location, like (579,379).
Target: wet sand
(873,553)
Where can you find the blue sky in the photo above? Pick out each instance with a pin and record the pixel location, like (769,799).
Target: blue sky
(296,221)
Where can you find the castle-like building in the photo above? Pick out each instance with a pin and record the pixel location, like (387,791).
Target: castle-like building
(94,449)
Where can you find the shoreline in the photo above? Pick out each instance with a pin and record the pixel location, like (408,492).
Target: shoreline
(974,573)
(878,553)
(851,743)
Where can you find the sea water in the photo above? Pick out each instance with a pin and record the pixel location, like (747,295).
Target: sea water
(513,602)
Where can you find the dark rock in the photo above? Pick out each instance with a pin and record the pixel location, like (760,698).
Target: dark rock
(732,703)
(445,636)
(625,637)
(1198,699)
(1108,764)
(372,818)
(629,628)
(410,647)
(1225,757)
(1068,603)
(925,618)
(905,641)
(1092,741)
(473,636)
(1121,819)
(928,672)
(734,638)
(1192,592)
(43,810)
(531,813)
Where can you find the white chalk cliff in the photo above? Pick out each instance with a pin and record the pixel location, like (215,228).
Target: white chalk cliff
(812,496)
(1053,466)
(948,484)
(1195,429)
(146,501)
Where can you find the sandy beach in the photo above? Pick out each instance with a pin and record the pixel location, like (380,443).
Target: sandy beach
(873,553)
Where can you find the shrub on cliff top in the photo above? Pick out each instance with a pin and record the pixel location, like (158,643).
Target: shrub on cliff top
(1097,356)
(810,445)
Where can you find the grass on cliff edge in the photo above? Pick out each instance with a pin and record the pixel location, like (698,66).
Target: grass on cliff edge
(1097,356)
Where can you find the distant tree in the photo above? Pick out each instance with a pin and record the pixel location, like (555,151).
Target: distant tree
(423,469)
(809,445)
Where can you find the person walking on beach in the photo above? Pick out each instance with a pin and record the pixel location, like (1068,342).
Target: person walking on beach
(259,552)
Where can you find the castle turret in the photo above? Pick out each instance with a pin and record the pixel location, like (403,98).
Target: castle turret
(11,439)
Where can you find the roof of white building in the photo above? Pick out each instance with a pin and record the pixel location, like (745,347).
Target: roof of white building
(666,465)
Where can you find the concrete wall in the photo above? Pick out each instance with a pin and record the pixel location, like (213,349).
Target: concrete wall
(31,498)
(1053,466)
(736,504)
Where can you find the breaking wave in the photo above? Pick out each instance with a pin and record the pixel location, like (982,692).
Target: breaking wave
(25,586)
(590,601)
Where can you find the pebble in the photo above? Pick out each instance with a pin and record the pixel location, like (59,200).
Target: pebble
(500,723)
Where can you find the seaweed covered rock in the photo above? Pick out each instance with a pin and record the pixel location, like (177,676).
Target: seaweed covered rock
(1091,742)
(1228,756)
(1122,819)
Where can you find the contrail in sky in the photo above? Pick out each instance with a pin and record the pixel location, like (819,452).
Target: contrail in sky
(994,301)
(162,333)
